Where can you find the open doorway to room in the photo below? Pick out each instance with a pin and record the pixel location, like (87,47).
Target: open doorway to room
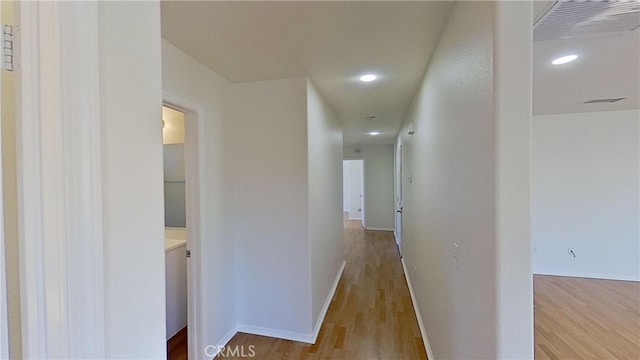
(353,190)
(584,180)
(399,203)
(175,218)
(182,149)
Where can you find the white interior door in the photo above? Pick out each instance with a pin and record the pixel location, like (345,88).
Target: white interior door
(356,190)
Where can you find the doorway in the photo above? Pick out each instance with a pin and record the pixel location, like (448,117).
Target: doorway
(175,221)
(399,201)
(183,226)
(353,190)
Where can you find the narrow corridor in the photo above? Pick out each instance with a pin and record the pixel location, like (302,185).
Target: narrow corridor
(371,315)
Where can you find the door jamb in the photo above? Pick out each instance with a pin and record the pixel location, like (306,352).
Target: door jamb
(194,180)
(59,181)
(4,313)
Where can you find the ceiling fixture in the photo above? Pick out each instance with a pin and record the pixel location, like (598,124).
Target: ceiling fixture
(564,59)
(368,77)
(374,133)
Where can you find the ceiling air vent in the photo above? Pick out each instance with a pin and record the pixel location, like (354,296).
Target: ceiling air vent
(572,19)
(370,117)
(599,101)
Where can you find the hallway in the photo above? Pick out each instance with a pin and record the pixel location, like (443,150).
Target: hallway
(370,317)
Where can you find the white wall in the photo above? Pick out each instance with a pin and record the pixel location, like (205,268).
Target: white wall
(451,191)
(379,205)
(345,187)
(585,176)
(265,141)
(262,153)
(186,78)
(324,136)
(513,109)
(131,103)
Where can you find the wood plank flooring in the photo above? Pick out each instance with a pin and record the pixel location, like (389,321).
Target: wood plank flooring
(577,318)
(177,346)
(371,315)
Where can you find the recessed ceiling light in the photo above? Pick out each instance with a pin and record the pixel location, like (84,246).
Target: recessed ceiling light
(564,59)
(368,77)
(374,133)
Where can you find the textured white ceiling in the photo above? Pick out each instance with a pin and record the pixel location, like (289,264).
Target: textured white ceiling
(331,42)
(335,42)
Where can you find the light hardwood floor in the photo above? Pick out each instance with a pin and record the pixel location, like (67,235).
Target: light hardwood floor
(371,315)
(577,318)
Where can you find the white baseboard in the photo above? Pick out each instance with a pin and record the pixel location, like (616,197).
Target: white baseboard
(294,336)
(225,339)
(377,229)
(327,302)
(221,344)
(590,276)
(423,332)
(276,333)
(395,238)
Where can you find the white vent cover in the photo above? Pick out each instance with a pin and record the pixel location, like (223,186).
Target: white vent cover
(570,19)
(607,100)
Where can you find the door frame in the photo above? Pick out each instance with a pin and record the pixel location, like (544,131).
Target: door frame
(59,174)
(399,196)
(194,180)
(4,308)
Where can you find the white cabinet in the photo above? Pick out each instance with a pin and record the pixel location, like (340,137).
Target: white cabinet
(176,285)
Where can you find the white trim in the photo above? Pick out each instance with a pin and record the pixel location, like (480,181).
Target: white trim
(276,333)
(4,311)
(59,181)
(28,174)
(327,302)
(589,276)
(378,229)
(83,178)
(222,343)
(196,228)
(423,332)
